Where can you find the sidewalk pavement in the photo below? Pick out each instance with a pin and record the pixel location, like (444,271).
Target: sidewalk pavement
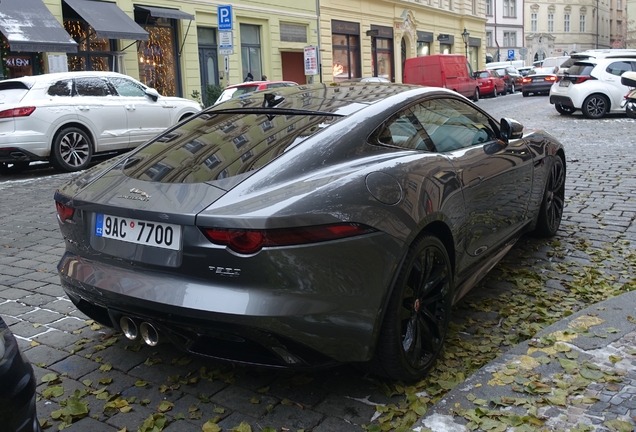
(579,374)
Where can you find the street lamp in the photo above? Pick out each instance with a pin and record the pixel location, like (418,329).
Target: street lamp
(465,35)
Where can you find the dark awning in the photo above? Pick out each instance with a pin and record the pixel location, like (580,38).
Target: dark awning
(29,26)
(108,20)
(159,12)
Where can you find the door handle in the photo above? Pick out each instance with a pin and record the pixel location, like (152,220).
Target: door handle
(475,181)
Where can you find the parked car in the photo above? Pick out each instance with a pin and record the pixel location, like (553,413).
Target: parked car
(239,90)
(490,83)
(553,65)
(67,118)
(451,71)
(511,77)
(523,71)
(592,86)
(217,234)
(537,83)
(17,386)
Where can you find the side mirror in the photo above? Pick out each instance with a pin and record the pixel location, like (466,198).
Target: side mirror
(511,129)
(152,94)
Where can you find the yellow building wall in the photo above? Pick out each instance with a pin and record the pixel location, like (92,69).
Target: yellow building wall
(421,17)
(268,15)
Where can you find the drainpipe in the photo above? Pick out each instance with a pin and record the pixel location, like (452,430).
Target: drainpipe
(494,3)
(597,15)
(318,31)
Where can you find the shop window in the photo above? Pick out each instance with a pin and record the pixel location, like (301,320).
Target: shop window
(346,57)
(157,56)
(93,53)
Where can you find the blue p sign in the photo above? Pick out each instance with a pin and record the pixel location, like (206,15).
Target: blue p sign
(511,54)
(224,14)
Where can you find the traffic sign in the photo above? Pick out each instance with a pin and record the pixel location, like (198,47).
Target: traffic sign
(224,16)
(511,54)
(523,51)
(226,44)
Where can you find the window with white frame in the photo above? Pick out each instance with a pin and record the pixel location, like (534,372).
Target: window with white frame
(489,7)
(582,23)
(533,22)
(510,39)
(509,8)
(618,5)
(489,39)
(550,22)
(566,23)
(619,28)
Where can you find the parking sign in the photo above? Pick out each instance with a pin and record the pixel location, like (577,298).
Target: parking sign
(511,54)
(224,16)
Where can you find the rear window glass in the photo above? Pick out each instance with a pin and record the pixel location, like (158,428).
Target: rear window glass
(231,140)
(618,68)
(12,92)
(484,75)
(580,69)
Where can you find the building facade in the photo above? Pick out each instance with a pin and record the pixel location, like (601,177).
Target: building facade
(374,38)
(177,48)
(618,24)
(558,29)
(505,30)
(171,46)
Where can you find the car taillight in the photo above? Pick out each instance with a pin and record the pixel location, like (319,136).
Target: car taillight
(526,80)
(64,212)
(550,78)
(251,241)
(582,79)
(17,112)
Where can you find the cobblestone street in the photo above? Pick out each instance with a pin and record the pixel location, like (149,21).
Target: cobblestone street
(189,391)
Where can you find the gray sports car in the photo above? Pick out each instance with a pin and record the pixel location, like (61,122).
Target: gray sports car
(308,226)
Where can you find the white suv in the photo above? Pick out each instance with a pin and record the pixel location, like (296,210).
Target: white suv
(592,86)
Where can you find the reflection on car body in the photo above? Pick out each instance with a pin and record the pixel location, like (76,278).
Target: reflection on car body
(350,218)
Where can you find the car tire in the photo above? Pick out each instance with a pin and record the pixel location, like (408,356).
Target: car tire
(525,94)
(595,106)
(494,93)
(13,167)
(551,210)
(512,88)
(564,110)
(476,95)
(417,316)
(72,150)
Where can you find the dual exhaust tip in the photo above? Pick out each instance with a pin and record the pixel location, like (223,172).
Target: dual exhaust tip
(131,330)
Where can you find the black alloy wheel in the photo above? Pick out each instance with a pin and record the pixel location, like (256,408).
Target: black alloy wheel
(476,95)
(72,150)
(553,202)
(494,92)
(418,313)
(564,110)
(595,106)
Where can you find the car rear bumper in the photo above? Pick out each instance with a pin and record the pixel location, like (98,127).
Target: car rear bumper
(561,100)
(17,154)
(321,320)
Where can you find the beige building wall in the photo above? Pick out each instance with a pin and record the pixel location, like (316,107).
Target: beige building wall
(406,18)
(557,40)
(618,24)
(630,19)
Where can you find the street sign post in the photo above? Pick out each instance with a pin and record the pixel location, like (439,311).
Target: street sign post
(311,60)
(224,16)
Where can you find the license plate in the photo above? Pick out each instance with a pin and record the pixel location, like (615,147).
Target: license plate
(157,234)
(564,83)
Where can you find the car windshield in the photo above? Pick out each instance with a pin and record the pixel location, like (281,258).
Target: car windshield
(484,75)
(502,72)
(580,69)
